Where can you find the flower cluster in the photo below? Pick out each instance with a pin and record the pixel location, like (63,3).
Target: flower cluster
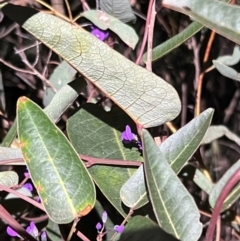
(100,227)
(31,229)
(128,137)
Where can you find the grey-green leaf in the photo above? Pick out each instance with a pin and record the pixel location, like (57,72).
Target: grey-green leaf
(120,9)
(105,21)
(226,71)
(217,15)
(215,132)
(174,207)
(235,193)
(146,98)
(8,178)
(230,60)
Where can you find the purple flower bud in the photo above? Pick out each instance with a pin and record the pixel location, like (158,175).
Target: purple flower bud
(100,34)
(98,226)
(104,217)
(28,186)
(26,174)
(44,236)
(12,232)
(119,228)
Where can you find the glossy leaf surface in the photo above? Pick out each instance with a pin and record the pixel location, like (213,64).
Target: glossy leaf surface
(145,97)
(61,179)
(174,207)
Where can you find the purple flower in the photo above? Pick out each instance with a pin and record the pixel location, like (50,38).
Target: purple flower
(12,232)
(127,135)
(26,174)
(98,226)
(100,34)
(119,228)
(31,229)
(44,236)
(28,186)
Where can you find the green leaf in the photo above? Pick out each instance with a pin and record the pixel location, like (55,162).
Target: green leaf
(177,149)
(8,139)
(61,179)
(215,132)
(174,208)
(203,182)
(142,228)
(174,42)
(53,231)
(120,9)
(61,76)
(212,14)
(105,21)
(97,133)
(226,71)
(145,97)
(9,178)
(230,60)
(218,187)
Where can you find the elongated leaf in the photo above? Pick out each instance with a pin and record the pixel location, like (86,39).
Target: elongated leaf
(226,71)
(142,228)
(105,21)
(97,133)
(177,149)
(120,9)
(148,99)
(53,231)
(215,132)
(61,179)
(8,139)
(174,42)
(235,193)
(61,76)
(216,15)
(203,182)
(8,178)
(174,208)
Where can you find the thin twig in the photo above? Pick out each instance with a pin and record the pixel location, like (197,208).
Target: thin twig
(145,32)
(69,10)
(47,62)
(8,30)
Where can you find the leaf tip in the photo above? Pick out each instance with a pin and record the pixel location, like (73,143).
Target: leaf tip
(21,101)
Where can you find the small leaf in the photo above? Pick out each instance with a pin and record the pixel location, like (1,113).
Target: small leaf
(230,60)
(215,132)
(104,21)
(142,228)
(203,182)
(9,138)
(8,178)
(10,153)
(21,190)
(174,208)
(120,9)
(61,179)
(174,42)
(145,97)
(177,149)
(212,14)
(218,187)
(226,71)
(61,76)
